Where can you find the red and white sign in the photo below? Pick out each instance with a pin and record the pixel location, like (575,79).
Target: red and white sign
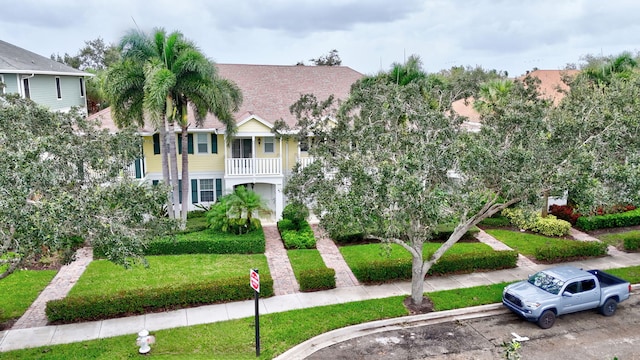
(254,280)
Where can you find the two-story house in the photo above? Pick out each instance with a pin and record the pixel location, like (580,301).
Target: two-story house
(45,81)
(254,157)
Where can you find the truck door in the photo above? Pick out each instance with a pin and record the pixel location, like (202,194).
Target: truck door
(590,294)
(570,298)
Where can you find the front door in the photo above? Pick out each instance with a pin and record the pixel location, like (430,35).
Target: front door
(241,148)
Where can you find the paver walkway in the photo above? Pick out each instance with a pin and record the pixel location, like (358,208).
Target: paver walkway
(333,259)
(483,237)
(284,281)
(58,288)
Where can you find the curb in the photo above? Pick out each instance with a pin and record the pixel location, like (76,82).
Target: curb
(333,337)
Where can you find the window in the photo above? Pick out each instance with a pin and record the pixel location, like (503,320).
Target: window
(203,145)
(304,145)
(588,285)
(156,144)
(25,88)
(81,87)
(207,191)
(58,88)
(269,145)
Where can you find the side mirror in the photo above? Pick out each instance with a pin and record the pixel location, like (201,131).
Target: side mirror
(567,294)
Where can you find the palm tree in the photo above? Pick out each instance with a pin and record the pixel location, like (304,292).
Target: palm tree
(171,74)
(492,94)
(244,201)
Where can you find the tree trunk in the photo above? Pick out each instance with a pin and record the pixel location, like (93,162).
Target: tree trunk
(165,164)
(185,174)
(545,206)
(417,279)
(173,165)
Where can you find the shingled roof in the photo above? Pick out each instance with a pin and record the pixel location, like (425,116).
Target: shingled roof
(269,90)
(16,60)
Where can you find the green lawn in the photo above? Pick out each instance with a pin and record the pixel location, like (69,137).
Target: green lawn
(305,259)
(363,254)
(522,242)
(234,339)
(20,289)
(104,277)
(617,239)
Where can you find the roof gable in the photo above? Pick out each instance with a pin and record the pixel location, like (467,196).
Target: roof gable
(16,60)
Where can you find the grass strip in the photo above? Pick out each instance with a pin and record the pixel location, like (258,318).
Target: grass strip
(20,289)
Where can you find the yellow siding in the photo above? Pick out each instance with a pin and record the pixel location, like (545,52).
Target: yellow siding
(197,162)
(292,156)
(154,164)
(252,126)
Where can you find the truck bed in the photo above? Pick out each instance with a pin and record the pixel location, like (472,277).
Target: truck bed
(606,279)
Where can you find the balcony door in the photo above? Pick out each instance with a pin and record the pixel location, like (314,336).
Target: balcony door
(241,148)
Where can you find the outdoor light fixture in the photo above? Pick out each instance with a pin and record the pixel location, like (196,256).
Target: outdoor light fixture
(259,140)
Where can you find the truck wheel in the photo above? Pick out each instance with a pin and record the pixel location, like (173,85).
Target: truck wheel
(609,307)
(547,319)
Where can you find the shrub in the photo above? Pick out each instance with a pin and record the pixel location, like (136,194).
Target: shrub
(551,226)
(296,212)
(495,221)
(286,224)
(317,279)
(400,269)
(629,218)
(348,238)
(299,239)
(209,242)
(444,231)
(139,301)
(565,212)
(569,250)
(533,221)
(631,243)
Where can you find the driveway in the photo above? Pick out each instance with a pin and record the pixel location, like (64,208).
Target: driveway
(585,335)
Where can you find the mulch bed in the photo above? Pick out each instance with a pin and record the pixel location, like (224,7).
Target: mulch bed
(424,308)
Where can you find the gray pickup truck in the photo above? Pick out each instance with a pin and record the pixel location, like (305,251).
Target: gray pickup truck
(562,290)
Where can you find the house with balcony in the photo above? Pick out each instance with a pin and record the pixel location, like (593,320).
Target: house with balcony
(45,81)
(254,157)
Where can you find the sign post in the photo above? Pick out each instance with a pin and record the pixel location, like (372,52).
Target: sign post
(254,281)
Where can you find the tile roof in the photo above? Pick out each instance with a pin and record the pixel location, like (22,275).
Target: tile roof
(14,59)
(550,83)
(269,90)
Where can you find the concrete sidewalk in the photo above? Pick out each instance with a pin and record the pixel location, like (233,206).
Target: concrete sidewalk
(288,297)
(60,334)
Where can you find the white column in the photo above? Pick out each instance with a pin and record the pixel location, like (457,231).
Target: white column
(279,202)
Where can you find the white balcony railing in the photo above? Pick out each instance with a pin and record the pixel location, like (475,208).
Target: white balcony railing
(304,162)
(253,167)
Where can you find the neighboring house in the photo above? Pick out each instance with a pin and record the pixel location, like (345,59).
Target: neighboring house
(254,157)
(551,81)
(45,81)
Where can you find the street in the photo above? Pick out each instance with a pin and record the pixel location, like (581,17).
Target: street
(585,335)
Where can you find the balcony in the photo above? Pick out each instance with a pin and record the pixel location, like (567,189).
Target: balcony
(253,167)
(304,162)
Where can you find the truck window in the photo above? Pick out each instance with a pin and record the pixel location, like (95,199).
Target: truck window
(546,282)
(573,288)
(588,285)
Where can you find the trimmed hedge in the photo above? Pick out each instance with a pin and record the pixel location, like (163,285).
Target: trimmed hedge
(317,279)
(442,234)
(203,242)
(569,250)
(629,218)
(631,243)
(303,238)
(209,242)
(140,301)
(400,269)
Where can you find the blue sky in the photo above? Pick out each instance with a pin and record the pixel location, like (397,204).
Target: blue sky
(370,35)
